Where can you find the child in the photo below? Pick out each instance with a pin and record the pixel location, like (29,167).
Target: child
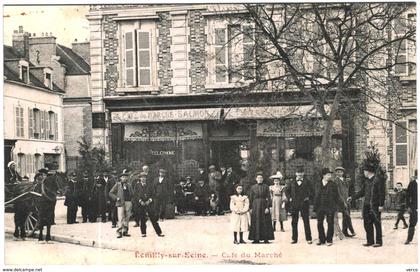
(279,200)
(400,196)
(239,205)
(201,198)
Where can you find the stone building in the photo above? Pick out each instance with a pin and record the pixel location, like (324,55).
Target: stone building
(158,99)
(40,129)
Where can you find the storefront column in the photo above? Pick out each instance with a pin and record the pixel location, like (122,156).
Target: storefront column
(206,144)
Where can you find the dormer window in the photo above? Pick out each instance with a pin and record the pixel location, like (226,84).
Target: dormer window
(24,71)
(47,80)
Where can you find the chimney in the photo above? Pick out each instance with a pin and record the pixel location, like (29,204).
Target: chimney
(82,49)
(20,42)
(41,49)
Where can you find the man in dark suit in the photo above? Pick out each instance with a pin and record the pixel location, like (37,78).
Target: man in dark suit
(412,207)
(343,186)
(85,188)
(373,191)
(163,193)
(110,181)
(298,194)
(145,204)
(71,201)
(326,202)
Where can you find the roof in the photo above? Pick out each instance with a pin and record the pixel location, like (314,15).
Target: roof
(9,74)
(10,53)
(74,63)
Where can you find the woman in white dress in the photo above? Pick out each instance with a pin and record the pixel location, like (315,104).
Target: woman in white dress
(239,205)
(279,199)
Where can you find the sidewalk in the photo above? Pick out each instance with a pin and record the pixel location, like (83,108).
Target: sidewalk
(209,240)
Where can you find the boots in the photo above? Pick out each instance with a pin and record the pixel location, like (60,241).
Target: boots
(235,240)
(241,238)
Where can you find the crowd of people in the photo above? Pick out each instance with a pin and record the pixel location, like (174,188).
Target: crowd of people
(257,209)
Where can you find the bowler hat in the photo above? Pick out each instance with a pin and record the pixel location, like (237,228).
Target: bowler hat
(325,171)
(43,171)
(300,169)
(369,167)
(124,174)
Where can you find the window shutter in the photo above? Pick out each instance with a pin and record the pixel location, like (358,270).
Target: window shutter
(144,57)
(22,123)
(31,122)
(56,126)
(221,55)
(248,52)
(130,59)
(42,124)
(17,121)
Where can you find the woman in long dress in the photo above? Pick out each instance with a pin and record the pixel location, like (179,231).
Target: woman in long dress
(278,196)
(260,202)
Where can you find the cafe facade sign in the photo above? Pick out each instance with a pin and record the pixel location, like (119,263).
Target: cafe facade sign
(267,112)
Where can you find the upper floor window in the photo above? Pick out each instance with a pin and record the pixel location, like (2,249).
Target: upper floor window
(405,51)
(232,53)
(20,125)
(139,56)
(24,70)
(43,125)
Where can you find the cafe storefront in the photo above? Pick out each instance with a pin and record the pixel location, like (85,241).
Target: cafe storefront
(181,140)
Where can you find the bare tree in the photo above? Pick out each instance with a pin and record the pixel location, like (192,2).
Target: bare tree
(325,51)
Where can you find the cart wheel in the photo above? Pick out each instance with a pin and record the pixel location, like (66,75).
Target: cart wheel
(31,222)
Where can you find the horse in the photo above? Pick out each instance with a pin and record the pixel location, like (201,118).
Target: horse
(45,204)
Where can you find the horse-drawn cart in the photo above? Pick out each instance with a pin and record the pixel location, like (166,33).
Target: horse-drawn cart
(22,196)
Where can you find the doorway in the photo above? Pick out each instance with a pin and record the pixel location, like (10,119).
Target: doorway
(226,152)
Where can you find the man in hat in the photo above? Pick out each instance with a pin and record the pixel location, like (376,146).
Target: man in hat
(72,196)
(98,198)
(144,200)
(122,194)
(163,193)
(412,207)
(202,174)
(110,181)
(149,178)
(326,202)
(299,193)
(84,198)
(215,178)
(135,181)
(12,175)
(373,191)
(343,185)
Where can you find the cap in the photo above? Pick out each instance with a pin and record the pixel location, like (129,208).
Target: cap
(300,169)
(73,174)
(339,168)
(212,167)
(124,175)
(259,173)
(162,170)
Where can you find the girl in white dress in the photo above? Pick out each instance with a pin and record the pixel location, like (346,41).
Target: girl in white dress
(239,205)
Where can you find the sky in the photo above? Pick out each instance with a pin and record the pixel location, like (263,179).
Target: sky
(66,23)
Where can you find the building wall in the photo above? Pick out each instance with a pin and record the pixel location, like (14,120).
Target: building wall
(77,86)
(29,98)
(77,125)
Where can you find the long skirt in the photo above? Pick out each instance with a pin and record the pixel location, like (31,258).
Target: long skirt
(46,212)
(261,227)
